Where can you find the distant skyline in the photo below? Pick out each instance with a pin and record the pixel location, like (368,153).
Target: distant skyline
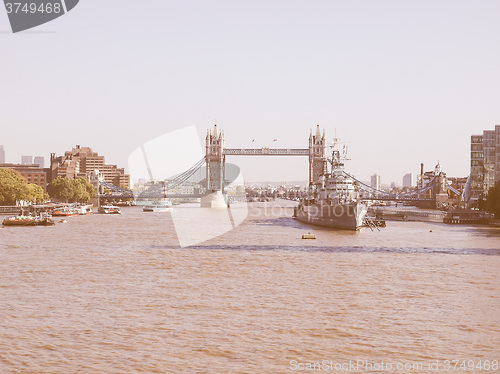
(401,82)
(39,160)
(27,160)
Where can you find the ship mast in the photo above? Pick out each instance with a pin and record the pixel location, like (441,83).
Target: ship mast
(339,155)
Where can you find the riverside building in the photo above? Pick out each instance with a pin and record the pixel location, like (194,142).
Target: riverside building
(82,162)
(484,162)
(32,173)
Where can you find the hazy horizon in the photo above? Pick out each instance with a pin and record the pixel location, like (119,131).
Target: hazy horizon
(401,82)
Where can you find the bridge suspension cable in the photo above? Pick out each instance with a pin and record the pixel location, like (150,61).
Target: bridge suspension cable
(453,190)
(115,189)
(158,189)
(389,194)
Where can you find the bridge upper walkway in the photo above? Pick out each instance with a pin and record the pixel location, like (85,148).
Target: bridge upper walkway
(266,151)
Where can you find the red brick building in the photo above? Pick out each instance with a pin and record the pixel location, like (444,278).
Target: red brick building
(32,173)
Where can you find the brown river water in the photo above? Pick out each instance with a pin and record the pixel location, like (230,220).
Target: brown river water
(118,294)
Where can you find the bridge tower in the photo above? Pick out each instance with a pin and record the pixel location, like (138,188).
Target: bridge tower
(439,191)
(215,160)
(317,156)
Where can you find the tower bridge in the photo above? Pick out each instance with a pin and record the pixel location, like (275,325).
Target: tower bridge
(210,187)
(216,153)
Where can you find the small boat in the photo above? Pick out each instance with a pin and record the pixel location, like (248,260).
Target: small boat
(163,206)
(308,236)
(42,220)
(84,209)
(65,212)
(157,208)
(109,209)
(46,221)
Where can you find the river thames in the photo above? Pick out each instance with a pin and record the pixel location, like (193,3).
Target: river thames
(118,294)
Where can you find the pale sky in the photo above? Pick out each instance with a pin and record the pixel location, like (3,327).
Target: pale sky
(403,82)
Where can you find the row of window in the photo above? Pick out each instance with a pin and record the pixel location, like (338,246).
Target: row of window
(476,155)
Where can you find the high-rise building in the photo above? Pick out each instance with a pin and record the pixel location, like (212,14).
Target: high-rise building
(27,160)
(408,180)
(2,155)
(484,162)
(375,182)
(40,161)
(82,162)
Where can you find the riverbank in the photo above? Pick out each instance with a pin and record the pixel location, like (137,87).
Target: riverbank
(495,223)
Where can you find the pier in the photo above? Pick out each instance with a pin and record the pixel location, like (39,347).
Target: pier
(10,210)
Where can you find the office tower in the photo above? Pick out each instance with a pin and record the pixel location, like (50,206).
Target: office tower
(27,160)
(408,180)
(375,182)
(484,162)
(40,161)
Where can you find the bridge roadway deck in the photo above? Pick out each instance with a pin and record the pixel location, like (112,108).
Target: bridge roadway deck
(199,195)
(173,196)
(10,209)
(394,198)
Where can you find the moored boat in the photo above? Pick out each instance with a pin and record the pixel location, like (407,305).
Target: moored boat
(42,220)
(109,209)
(467,216)
(335,200)
(65,211)
(20,221)
(84,209)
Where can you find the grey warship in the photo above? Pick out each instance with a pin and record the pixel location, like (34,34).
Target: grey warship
(335,201)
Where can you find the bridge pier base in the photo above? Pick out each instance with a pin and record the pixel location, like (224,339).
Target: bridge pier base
(215,200)
(441,200)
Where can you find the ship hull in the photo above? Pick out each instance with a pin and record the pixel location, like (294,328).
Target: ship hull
(157,209)
(341,216)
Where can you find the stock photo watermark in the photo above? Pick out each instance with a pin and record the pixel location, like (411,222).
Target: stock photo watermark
(191,173)
(370,366)
(27,14)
